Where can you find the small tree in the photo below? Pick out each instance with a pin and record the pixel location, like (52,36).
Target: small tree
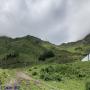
(46,54)
(79,49)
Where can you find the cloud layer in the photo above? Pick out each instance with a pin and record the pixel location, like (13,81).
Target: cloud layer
(57,21)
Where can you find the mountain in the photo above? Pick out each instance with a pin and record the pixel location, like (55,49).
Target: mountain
(81,47)
(29,50)
(87,39)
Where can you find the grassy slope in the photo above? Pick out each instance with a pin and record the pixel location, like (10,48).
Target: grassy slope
(27,51)
(81,48)
(66,84)
(69,83)
(29,48)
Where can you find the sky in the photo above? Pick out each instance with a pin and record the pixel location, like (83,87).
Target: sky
(57,21)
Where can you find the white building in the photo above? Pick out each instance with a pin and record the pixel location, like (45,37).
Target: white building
(87,58)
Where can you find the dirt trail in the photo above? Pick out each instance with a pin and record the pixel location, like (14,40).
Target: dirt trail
(23,76)
(18,78)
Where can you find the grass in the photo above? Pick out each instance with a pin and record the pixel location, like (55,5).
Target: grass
(69,85)
(66,84)
(28,50)
(23,54)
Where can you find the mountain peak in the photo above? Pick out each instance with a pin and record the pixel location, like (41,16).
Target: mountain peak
(87,39)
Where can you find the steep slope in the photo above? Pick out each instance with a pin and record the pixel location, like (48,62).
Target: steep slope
(25,50)
(29,50)
(81,47)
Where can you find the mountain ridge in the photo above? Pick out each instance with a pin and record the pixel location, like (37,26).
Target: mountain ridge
(27,50)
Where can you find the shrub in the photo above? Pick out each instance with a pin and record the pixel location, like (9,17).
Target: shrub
(49,74)
(79,48)
(34,73)
(49,69)
(35,67)
(46,54)
(51,77)
(87,85)
(47,77)
(30,69)
(10,54)
(81,75)
(56,77)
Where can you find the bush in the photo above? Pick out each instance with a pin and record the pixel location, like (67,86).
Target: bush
(49,74)
(35,68)
(49,69)
(46,54)
(87,85)
(10,54)
(79,48)
(30,69)
(51,77)
(57,72)
(81,75)
(47,77)
(34,73)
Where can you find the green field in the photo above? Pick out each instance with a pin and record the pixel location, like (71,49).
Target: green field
(71,79)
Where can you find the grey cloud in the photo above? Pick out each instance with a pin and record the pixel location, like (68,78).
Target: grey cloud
(57,21)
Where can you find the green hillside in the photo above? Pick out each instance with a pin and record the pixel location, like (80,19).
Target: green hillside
(80,48)
(73,76)
(25,50)
(29,50)
(34,64)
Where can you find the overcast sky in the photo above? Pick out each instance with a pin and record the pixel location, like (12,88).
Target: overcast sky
(57,21)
